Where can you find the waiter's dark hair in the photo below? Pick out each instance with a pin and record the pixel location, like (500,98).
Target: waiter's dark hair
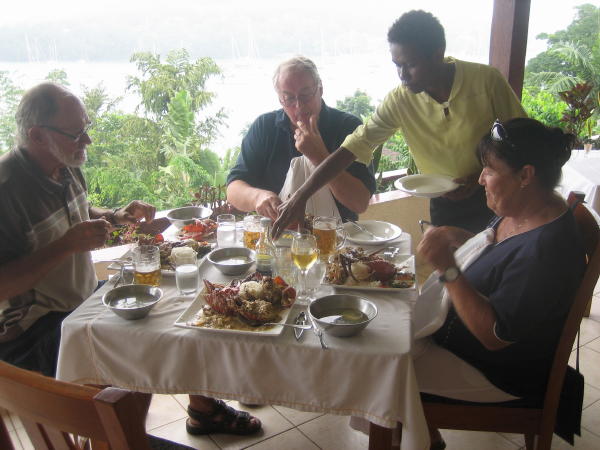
(419,29)
(523,141)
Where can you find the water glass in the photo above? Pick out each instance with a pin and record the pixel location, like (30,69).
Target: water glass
(146,265)
(226,236)
(186,273)
(284,266)
(314,277)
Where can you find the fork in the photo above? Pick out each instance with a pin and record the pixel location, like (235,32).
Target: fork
(364,230)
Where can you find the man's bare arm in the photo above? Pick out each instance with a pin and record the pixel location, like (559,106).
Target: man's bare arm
(248,198)
(22,274)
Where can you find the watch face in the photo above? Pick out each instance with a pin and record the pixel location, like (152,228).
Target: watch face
(450,274)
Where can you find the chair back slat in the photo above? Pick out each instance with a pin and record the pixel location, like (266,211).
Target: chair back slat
(51,410)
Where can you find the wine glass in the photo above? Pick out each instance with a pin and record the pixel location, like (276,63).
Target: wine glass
(304,255)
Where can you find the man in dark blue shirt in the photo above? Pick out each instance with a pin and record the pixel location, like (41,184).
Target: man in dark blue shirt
(305,126)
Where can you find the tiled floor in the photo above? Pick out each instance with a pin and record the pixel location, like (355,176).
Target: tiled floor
(285,428)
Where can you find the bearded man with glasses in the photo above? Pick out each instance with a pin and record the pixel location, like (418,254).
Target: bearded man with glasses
(48,228)
(304,126)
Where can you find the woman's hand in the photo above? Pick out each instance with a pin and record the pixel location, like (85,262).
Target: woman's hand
(437,247)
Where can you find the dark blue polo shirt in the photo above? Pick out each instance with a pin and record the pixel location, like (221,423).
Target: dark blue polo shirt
(269,147)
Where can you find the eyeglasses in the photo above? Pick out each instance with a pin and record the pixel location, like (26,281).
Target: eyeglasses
(499,134)
(290,100)
(74,137)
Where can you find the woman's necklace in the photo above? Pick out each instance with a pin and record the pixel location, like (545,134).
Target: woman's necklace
(515,229)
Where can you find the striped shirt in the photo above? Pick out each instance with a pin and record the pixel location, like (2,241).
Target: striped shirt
(35,211)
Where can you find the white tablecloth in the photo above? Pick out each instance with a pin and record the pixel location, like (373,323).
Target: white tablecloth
(370,375)
(582,173)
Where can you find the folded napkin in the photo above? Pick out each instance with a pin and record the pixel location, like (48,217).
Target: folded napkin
(322,202)
(433,302)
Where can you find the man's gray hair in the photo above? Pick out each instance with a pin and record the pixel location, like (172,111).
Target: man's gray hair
(297,64)
(38,106)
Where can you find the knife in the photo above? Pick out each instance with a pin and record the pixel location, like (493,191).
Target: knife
(300,320)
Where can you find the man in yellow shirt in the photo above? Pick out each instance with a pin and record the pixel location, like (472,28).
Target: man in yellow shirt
(443,108)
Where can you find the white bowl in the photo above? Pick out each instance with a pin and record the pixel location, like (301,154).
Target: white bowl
(222,259)
(385,232)
(330,313)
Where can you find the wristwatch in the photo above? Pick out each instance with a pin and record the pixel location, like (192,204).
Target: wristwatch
(450,274)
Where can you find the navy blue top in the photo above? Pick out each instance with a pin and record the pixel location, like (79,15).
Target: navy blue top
(530,280)
(268,148)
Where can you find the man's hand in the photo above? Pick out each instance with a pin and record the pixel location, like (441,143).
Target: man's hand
(87,235)
(290,211)
(468,186)
(267,204)
(309,141)
(134,212)
(437,247)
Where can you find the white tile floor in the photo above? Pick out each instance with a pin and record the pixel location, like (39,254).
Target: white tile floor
(285,428)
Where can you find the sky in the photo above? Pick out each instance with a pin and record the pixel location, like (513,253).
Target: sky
(546,15)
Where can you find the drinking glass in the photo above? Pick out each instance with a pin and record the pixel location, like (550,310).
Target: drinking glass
(146,265)
(330,235)
(304,255)
(314,277)
(252,229)
(284,266)
(186,273)
(226,230)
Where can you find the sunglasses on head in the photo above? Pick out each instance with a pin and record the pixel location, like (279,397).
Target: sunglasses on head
(499,134)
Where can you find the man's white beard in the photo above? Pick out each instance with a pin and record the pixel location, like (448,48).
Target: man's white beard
(67,159)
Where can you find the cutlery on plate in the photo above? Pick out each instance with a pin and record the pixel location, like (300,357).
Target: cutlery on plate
(300,320)
(293,325)
(364,230)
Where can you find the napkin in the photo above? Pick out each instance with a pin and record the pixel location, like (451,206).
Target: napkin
(432,305)
(322,202)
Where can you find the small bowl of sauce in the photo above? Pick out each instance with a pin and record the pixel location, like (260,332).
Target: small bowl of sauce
(232,260)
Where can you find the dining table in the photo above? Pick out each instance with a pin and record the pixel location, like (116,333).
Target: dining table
(370,375)
(582,173)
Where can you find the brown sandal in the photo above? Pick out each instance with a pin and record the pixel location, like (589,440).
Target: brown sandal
(222,419)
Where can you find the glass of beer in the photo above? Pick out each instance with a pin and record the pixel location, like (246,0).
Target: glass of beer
(252,231)
(146,265)
(330,235)
(304,255)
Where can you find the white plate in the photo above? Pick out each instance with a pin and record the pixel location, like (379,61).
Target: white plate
(186,318)
(386,231)
(400,261)
(425,185)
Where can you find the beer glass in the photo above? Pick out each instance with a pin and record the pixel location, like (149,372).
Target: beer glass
(252,229)
(330,235)
(146,265)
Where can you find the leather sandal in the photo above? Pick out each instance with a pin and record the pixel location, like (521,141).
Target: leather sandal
(222,419)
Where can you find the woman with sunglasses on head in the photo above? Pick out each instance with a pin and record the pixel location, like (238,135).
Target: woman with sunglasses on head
(508,303)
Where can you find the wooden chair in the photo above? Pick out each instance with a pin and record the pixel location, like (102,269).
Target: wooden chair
(537,424)
(52,411)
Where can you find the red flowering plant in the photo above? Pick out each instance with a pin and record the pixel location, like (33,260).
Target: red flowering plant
(580,107)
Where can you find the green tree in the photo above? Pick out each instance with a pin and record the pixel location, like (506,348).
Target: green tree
(358,104)
(573,55)
(10,96)
(58,76)
(544,107)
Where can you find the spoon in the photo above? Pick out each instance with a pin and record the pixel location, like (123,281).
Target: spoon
(364,230)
